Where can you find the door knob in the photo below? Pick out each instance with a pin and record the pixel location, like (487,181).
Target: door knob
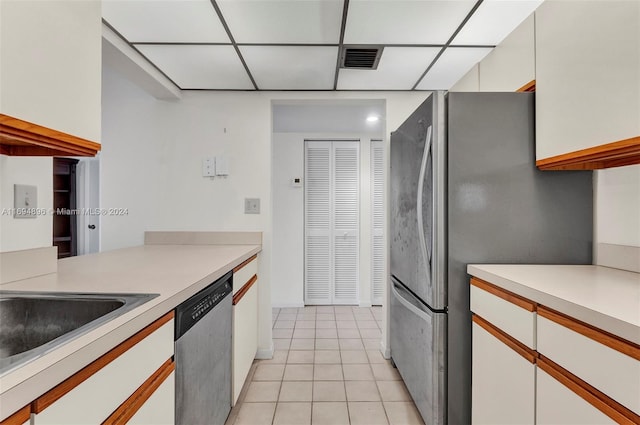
(91,226)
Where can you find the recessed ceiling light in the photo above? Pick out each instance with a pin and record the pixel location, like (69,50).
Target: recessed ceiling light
(373,118)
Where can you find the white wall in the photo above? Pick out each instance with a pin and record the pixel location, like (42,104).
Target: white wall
(25,233)
(151,163)
(288,216)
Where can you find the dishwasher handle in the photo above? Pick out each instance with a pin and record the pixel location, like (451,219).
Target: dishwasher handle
(195,308)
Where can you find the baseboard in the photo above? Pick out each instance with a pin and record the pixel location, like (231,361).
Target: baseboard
(287,305)
(265,353)
(386,352)
(365,304)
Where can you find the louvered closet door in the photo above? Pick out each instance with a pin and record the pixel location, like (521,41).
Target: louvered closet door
(377,220)
(332,193)
(317,220)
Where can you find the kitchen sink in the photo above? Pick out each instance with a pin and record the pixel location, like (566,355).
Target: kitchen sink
(34,323)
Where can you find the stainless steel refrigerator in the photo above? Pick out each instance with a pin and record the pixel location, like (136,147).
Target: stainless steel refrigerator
(464,189)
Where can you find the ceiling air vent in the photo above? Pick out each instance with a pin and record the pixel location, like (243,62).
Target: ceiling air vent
(360,57)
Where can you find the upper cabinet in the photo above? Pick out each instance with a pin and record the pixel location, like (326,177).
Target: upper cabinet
(50,77)
(587,84)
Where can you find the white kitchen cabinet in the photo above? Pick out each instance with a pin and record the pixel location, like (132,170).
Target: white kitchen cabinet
(556,404)
(159,409)
(587,68)
(617,374)
(94,393)
(503,389)
(51,64)
(245,324)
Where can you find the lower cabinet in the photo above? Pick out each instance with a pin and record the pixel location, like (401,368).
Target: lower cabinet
(159,408)
(245,324)
(576,375)
(117,387)
(557,404)
(504,381)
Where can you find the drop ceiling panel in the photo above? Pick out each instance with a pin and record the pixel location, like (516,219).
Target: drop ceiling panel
(451,66)
(404,22)
(399,69)
(265,21)
(199,66)
(184,21)
(291,67)
(494,20)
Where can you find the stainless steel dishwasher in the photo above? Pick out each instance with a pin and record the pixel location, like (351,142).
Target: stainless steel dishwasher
(203,355)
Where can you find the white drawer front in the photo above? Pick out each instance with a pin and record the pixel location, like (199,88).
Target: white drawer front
(608,370)
(159,409)
(508,317)
(558,405)
(243,275)
(95,399)
(503,390)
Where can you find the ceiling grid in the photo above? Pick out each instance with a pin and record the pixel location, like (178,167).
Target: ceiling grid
(295,45)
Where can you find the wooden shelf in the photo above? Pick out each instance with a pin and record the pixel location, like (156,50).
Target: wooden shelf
(616,154)
(22,138)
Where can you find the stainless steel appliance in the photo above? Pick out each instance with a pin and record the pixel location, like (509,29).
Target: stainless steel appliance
(203,355)
(465,189)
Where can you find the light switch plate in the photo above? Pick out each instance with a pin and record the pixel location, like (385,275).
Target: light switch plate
(252,205)
(25,201)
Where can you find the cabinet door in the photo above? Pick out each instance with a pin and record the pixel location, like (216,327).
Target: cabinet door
(93,399)
(503,382)
(245,338)
(557,404)
(159,409)
(587,67)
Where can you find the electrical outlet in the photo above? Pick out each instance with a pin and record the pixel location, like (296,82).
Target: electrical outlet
(252,205)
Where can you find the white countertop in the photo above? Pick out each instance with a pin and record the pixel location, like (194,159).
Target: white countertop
(603,297)
(175,272)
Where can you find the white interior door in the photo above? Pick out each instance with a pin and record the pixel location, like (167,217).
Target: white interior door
(88,199)
(377,222)
(332,193)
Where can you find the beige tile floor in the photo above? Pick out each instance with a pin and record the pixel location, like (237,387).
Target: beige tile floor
(326,370)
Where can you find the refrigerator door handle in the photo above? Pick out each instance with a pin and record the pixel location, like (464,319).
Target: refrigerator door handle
(415,310)
(426,251)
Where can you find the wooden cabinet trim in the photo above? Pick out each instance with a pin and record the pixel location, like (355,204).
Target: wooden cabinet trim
(57,392)
(596,398)
(515,345)
(238,295)
(504,294)
(21,138)
(130,407)
(528,88)
(19,418)
(616,154)
(612,341)
(244,263)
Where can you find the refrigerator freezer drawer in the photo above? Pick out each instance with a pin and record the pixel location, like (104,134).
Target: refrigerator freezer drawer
(517,320)
(418,350)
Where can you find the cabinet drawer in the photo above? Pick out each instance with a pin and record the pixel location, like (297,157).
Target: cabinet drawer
(593,358)
(95,394)
(159,409)
(557,404)
(244,272)
(510,313)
